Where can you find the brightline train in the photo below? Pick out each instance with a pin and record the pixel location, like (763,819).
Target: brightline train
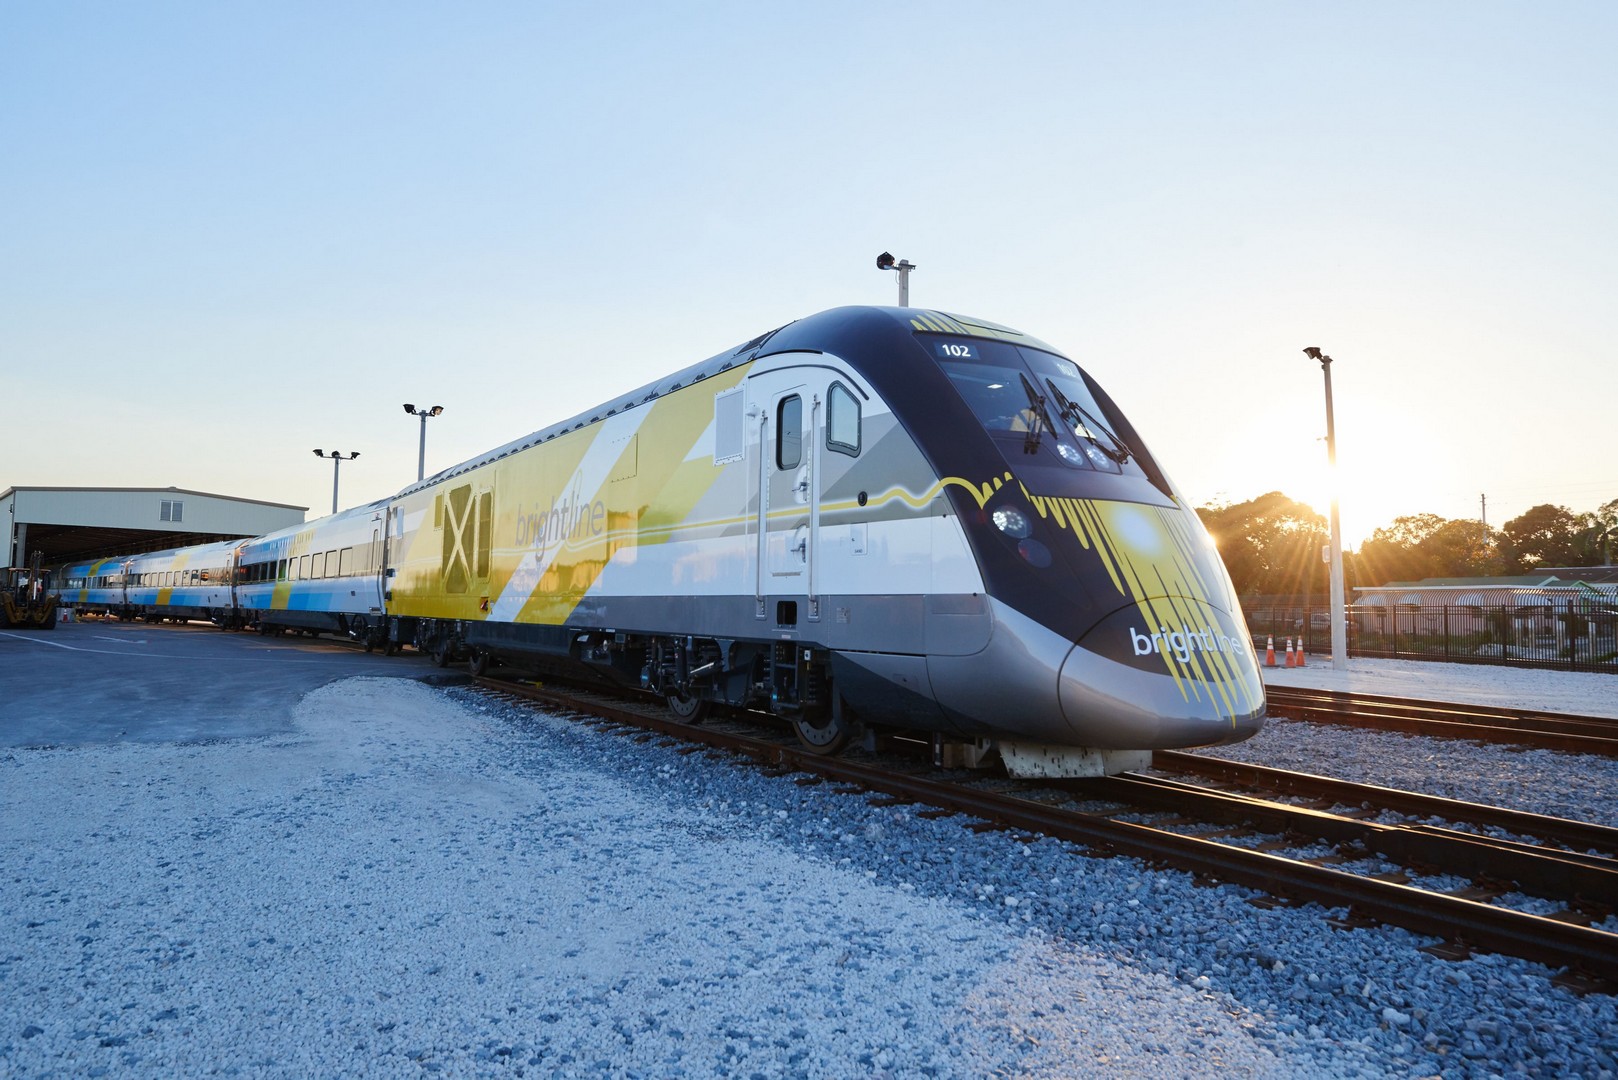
(868,520)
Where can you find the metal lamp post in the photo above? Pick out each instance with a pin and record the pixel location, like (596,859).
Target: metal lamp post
(337,459)
(885,261)
(421,456)
(1339,628)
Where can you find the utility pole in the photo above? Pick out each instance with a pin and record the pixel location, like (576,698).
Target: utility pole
(337,460)
(1339,613)
(421,454)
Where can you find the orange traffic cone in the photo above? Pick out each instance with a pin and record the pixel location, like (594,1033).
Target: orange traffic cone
(1290,661)
(1269,653)
(1300,653)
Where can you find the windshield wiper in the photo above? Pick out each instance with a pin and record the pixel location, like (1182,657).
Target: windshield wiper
(1040,418)
(1083,421)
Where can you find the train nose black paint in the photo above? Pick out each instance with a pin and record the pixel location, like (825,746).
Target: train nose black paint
(1171,671)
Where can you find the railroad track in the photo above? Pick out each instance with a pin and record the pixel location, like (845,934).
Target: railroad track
(1294,837)
(1523,727)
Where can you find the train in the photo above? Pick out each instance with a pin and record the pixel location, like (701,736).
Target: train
(870,521)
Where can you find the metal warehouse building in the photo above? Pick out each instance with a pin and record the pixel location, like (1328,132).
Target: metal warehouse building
(69,523)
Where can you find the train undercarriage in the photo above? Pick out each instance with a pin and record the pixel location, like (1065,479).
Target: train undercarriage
(692,675)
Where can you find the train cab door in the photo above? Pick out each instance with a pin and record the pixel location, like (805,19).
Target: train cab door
(392,543)
(790,508)
(372,578)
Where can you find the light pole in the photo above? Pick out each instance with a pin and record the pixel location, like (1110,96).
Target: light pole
(337,459)
(1339,628)
(421,456)
(885,261)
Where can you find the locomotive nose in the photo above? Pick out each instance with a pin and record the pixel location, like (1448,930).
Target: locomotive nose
(1171,672)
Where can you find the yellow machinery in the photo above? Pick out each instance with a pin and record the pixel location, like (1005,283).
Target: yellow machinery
(27,602)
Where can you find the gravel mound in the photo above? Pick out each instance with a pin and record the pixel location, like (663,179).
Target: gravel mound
(417,882)
(407,884)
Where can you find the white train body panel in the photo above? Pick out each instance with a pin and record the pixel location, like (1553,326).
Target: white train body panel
(183,583)
(92,585)
(318,575)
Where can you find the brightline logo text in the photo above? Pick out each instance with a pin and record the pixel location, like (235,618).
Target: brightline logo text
(1182,643)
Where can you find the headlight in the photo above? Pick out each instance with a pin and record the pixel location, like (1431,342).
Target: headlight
(1011,522)
(1037,554)
(1070,454)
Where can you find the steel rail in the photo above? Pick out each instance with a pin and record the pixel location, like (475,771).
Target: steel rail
(1472,924)
(1546,731)
(1574,835)
(1548,873)
(1464,708)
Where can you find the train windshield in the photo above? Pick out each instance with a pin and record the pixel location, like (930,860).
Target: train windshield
(1036,396)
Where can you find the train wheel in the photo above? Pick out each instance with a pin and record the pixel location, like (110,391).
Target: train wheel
(688,708)
(391,648)
(827,733)
(478,663)
(443,652)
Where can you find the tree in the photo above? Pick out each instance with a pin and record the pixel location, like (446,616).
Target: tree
(1393,552)
(1546,535)
(1412,529)
(1602,541)
(1462,548)
(1271,544)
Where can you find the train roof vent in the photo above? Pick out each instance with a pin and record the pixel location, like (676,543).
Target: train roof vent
(760,340)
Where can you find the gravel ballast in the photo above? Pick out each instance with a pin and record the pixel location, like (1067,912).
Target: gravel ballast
(416,881)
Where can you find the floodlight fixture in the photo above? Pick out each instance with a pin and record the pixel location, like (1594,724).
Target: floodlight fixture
(337,459)
(421,453)
(885,261)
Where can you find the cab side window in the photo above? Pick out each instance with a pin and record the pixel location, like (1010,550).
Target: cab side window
(789,433)
(842,421)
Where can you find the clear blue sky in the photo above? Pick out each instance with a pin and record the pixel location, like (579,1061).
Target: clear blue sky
(231,233)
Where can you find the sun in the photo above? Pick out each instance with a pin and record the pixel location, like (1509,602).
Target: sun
(1368,500)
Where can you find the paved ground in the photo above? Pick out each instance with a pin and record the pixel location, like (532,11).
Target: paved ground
(101,681)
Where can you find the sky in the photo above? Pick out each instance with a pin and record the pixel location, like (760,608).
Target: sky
(230,234)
